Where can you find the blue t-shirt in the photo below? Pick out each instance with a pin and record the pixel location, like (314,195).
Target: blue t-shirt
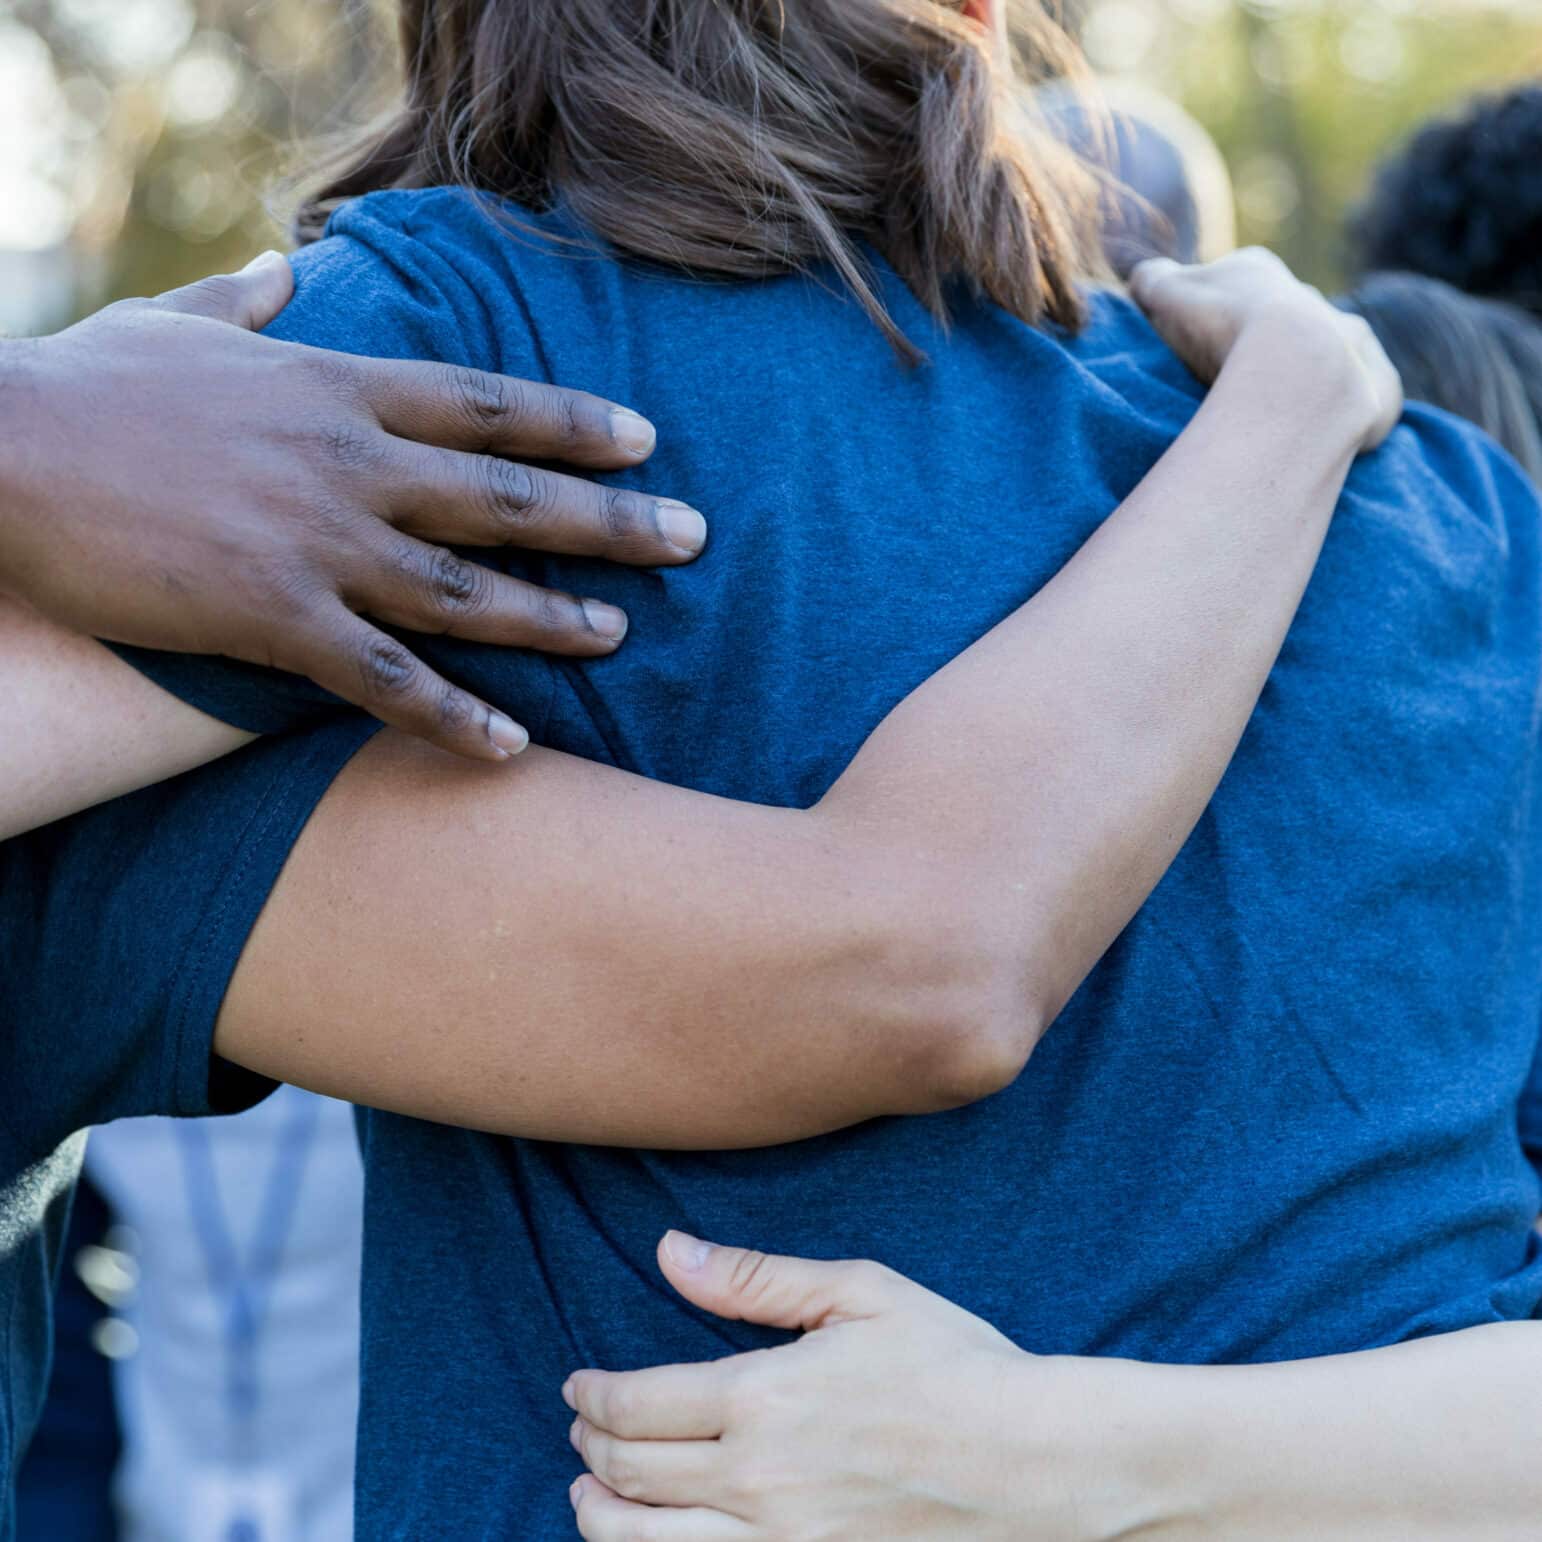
(1282,1118)
(118,936)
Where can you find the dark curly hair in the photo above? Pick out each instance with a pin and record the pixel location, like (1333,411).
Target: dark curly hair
(1462,202)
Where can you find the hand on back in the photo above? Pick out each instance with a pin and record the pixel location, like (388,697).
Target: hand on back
(1204,312)
(177,482)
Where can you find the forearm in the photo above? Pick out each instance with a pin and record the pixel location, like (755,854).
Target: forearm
(627,963)
(623,962)
(78,726)
(1065,759)
(1420,1442)
(564,951)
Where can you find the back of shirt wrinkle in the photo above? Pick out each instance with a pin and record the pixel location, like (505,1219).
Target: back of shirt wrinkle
(519,1189)
(651,1281)
(1306,1031)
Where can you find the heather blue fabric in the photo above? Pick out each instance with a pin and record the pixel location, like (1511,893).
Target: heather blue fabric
(1282,1117)
(118,934)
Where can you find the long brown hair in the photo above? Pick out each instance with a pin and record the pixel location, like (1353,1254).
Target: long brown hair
(752,137)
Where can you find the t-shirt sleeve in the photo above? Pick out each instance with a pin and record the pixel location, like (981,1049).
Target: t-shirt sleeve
(372,287)
(121,927)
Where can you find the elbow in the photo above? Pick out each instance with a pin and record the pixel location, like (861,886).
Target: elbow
(983,1033)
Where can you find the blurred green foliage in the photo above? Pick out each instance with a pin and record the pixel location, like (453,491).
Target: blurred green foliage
(1304,97)
(141,141)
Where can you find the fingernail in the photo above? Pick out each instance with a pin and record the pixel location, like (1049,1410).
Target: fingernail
(682,526)
(573,1439)
(634,434)
(687,1253)
(506,734)
(605,619)
(264,260)
(576,1492)
(567,1394)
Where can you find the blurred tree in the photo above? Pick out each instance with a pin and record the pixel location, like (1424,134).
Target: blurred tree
(163,125)
(1304,95)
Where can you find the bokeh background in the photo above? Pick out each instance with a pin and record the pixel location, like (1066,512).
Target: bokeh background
(145,142)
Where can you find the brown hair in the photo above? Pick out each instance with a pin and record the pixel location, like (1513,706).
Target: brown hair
(752,137)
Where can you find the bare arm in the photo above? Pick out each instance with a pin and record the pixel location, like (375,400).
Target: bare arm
(1432,1441)
(900,1415)
(626,963)
(78,726)
(611,959)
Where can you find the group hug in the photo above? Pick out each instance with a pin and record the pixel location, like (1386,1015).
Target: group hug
(916,831)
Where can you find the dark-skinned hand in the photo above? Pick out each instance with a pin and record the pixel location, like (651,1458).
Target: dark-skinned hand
(172,480)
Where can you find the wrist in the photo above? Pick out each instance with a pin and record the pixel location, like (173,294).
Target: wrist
(1123,1443)
(1305,359)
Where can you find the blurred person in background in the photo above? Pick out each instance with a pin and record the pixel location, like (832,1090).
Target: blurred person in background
(64,1486)
(241,1394)
(1258,1170)
(1461,201)
(1448,250)
(1168,192)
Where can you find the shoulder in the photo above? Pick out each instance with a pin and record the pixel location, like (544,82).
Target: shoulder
(1120,349)
(407,274)
(1465,455)
(1437,460)
(441,273)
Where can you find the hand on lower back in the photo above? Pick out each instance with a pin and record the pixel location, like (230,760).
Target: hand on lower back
(897,1415)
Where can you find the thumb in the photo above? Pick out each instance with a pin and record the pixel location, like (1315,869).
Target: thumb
(250,298)
(793,1293)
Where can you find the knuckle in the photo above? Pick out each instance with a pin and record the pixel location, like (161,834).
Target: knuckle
(333,373)
(288,590)
(569,425)
(514,496)
(618,1408)
(217,293)
(621,512)
(347,447)
(622,1472)
(128,310)
(442,584)
(866,1276)
(386,667)
(744,1399)
(457,585)
(1358,328)
(556,611)
(453,711)
(750,1479)
(486,402)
